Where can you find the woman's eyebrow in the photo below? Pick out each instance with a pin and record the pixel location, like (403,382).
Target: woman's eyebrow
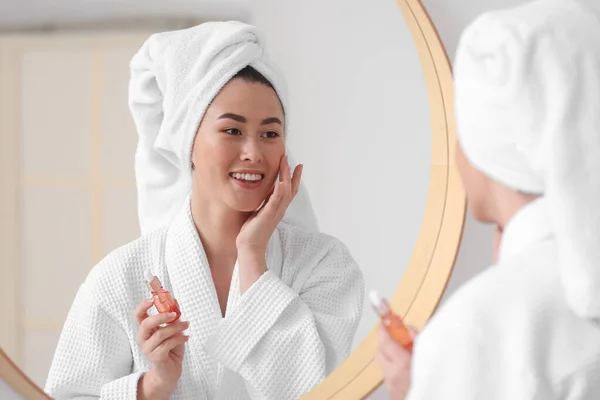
(239,118)
(271,120)
(233,116)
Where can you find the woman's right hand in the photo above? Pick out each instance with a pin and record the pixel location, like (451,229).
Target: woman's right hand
(164,347)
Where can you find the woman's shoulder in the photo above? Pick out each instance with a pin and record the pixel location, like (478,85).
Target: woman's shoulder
(299,241)
(308,255)
(511,290)
(513,315)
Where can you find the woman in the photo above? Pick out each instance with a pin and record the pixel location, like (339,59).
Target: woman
(269,307)
(528,114)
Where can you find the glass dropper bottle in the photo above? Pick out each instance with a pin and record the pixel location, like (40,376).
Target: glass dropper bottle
(163,301)
(391,321)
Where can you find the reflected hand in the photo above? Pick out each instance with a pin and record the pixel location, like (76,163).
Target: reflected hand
(164,347)
(258,228)
(395,363)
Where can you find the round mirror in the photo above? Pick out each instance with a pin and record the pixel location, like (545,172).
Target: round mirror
(370,117)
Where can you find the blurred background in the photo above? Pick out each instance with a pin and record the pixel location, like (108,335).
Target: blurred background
(19,15)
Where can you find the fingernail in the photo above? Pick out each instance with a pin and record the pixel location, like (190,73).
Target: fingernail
(171,315)
(149,300)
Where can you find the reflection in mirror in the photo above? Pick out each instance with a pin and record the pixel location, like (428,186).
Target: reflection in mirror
(360,125)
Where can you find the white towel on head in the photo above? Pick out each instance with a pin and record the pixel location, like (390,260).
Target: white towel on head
(174,77)
(528,115)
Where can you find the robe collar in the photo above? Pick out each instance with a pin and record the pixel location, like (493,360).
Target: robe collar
(191,283)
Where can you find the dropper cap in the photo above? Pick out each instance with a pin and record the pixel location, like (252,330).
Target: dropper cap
(153,282)
(380,305)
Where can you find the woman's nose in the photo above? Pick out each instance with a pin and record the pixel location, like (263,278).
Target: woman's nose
(251,150)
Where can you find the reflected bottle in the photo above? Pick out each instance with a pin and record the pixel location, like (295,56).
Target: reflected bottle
(163,301)
(392,322)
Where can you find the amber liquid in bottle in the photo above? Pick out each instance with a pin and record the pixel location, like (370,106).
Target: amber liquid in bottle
(163,301)
(392,322)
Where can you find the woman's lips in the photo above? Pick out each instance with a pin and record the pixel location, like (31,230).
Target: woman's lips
(247,180)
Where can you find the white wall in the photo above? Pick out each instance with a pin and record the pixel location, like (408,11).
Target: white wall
(18,13)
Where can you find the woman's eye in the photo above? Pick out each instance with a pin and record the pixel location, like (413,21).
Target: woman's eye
(233,131)
(271,134)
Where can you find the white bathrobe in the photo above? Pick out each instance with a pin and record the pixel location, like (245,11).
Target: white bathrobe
(277,341)
(509,333)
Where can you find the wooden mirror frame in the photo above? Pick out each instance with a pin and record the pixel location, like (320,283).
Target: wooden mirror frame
(425,279)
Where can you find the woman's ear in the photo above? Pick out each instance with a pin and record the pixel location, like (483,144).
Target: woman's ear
(192,153)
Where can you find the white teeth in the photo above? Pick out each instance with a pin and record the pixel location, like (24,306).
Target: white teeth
(247,177)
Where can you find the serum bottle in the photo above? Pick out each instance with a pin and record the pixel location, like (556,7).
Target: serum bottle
(392,322)
(163,301)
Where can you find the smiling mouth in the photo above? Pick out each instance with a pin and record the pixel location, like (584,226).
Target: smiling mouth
(249,178)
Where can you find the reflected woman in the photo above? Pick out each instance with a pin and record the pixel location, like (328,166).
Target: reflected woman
(269,306)
(527,84)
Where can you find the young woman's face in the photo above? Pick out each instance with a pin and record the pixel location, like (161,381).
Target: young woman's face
(477,187)
(239,146)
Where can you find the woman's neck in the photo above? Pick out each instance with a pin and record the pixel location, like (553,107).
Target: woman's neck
(507,202)
(217,225)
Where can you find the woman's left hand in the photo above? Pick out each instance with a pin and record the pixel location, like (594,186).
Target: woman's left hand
(253,239)
(258,228)
(395,363)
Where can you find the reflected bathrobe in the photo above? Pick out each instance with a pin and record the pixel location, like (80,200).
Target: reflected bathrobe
(509,334)
(288,331)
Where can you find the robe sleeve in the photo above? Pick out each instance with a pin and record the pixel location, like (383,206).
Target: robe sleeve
(283,342)
(469,351)
(93,358)
(449,362)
